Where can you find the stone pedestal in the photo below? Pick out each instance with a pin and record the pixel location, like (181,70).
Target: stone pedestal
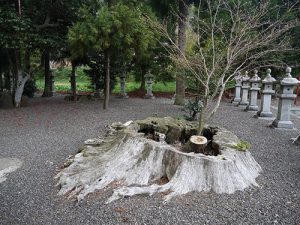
(123,93)
(266,97)
(286,97)
(254,81)
(245,89)
(149,83)
(238,86)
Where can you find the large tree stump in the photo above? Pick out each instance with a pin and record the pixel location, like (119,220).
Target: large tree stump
(130,162)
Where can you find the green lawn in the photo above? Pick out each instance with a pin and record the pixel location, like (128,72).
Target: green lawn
(157,87)
(61,77)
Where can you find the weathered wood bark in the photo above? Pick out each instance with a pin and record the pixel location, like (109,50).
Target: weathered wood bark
(8,165)
(180,76)
(73,82)
(107,80)
(48,89)
(134,164)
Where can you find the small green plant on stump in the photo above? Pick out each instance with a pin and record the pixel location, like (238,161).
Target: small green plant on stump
(242,146)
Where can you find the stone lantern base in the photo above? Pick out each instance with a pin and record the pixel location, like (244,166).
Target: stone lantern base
(264,116)
(279,124)
(252,108)
(245,103)
(123,96)
(147,96)
(236,101)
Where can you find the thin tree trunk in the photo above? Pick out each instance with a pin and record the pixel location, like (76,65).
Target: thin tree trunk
(200,122)
(73,82)
(107,80)
(48,92)
(212,112)
(180,76)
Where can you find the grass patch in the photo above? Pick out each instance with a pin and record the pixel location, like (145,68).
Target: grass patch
(157,87)
(62,82)
(242,146)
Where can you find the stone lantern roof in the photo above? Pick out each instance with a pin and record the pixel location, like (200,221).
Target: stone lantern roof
(255,78)
(149,75)
(246,77)
(238,77)
(268,79)
(289,80)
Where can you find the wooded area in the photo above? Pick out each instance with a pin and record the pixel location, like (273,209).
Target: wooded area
(136,37)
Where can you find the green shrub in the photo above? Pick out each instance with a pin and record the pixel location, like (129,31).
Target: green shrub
(193,107)
(30,88)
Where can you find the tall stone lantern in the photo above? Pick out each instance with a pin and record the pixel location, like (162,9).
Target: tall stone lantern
(238,85)
(149,83)
(254,81)
(245,89)
(266,96)
(123,93)
(286,97)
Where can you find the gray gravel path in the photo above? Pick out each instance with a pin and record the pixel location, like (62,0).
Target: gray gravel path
(49,130)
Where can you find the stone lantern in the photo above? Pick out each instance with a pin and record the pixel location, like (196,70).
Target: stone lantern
(286,97)
(149,83)
(123,93)
(245,89)
(266,97)
(238,85)
(254,81)
(51,71)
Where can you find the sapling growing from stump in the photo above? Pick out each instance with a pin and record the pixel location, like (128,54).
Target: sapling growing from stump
(228,37)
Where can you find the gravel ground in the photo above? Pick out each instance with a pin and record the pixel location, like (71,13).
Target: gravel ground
(43,134)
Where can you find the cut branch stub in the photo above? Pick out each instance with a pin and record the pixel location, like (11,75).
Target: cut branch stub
(197,144)
(133,158)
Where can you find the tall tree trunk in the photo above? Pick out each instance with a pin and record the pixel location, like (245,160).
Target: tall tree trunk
(73,82)
(1,81)
(19,80)
(17,67)
(143,71)
(27,62)
(20,87)
(107,79)
(48,90)
(180,76)
(42,64)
